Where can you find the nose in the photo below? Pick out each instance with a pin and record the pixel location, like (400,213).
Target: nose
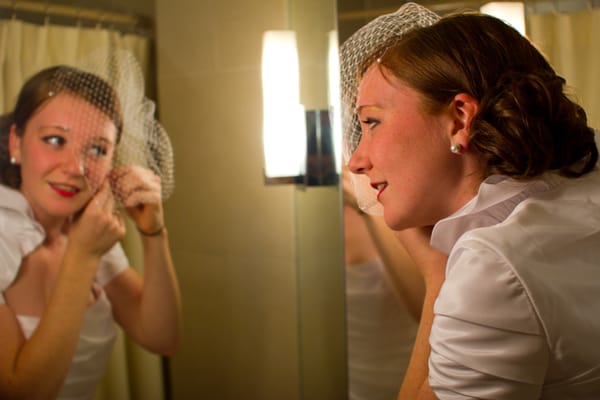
(359,162)
(74,164)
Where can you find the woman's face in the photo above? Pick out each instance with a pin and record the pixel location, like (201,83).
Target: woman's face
(405,153)
(65,154)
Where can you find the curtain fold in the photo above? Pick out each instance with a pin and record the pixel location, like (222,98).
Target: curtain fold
(26,48)
(570,42)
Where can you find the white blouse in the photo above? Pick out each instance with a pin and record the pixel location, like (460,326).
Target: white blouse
(518,316)
(20,234)
(381,333)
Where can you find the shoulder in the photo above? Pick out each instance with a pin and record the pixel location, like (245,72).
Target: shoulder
(486,329)
(20,234)
(17,224)
(480,277)
(506,305)
(111,264)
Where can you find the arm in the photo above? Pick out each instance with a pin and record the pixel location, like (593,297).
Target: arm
(400,267)
(147,307)
(466,350)
(404,273)
(35,368)
(432,264)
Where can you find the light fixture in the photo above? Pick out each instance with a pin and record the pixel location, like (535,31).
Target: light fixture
(335,97)
(299,146)
(511,12)
(284,123)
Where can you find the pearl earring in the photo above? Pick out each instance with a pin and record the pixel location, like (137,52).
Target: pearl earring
(13,160)
(456,148)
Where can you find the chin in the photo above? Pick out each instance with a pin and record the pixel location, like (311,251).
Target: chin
(66,211)
(400,221)
(393,222)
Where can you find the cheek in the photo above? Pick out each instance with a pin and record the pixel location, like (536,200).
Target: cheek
(389,152)
(96,171)
(36,160)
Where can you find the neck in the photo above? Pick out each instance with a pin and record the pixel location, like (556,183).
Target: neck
(55,228)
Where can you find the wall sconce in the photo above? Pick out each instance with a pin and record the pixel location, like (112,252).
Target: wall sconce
(284,127)
(511,12)
(297,144)
(335,96)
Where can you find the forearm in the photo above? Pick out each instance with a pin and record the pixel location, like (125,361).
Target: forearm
(160,307)
(415,384)
(432,264)
(43,360)
(403,271)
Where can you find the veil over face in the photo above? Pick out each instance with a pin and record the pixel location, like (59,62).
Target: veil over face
(114,85)
(354,53)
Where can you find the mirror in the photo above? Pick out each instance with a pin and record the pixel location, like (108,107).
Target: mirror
(260,266)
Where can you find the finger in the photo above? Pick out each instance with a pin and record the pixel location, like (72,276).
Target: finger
(104,200)
(101,197)
(125,183)
(137,198)
(119,219)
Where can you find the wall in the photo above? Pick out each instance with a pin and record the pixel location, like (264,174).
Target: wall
(233,239)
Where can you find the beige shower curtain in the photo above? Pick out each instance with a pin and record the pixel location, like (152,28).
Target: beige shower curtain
(568,32)
(26,48)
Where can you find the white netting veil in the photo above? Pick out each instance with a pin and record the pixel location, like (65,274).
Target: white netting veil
(354,53)
(113,123)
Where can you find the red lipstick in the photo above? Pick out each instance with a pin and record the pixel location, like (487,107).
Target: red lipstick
(64,192)
(380,187)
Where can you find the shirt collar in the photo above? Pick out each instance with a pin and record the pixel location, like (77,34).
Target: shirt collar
(496,199)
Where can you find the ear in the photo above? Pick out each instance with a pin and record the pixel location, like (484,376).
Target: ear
(463,109)
(14,144)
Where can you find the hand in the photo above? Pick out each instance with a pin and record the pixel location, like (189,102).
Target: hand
(99,225)
(431,262)
(139,190)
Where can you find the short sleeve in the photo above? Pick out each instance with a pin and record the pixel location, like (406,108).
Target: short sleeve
(10,259)
(486,339)
(111,264)
(18,237)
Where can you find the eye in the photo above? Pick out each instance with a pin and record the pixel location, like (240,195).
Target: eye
(370,123)
(97,150)
(54,140)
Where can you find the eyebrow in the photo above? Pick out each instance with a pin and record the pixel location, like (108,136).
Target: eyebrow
(102,139)
(59,127)
(67,129)
(358,109)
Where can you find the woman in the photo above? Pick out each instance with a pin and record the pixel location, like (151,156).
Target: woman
(64,278)
(466,128)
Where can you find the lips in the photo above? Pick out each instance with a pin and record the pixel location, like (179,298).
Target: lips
(380,187)
(65,190)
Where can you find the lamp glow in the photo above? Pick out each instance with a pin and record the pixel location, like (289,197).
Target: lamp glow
(284,124)
(333,69)
(513,13)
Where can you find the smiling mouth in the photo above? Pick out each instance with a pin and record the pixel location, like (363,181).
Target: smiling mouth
(380,187)
(65,190)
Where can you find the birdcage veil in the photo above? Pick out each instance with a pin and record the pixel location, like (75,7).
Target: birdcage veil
(113,85)
(354,52)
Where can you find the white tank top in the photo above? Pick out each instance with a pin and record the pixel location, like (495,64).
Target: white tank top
(98,334)
(381,333)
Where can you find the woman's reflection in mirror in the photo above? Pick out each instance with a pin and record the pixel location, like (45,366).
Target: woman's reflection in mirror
(64,278)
